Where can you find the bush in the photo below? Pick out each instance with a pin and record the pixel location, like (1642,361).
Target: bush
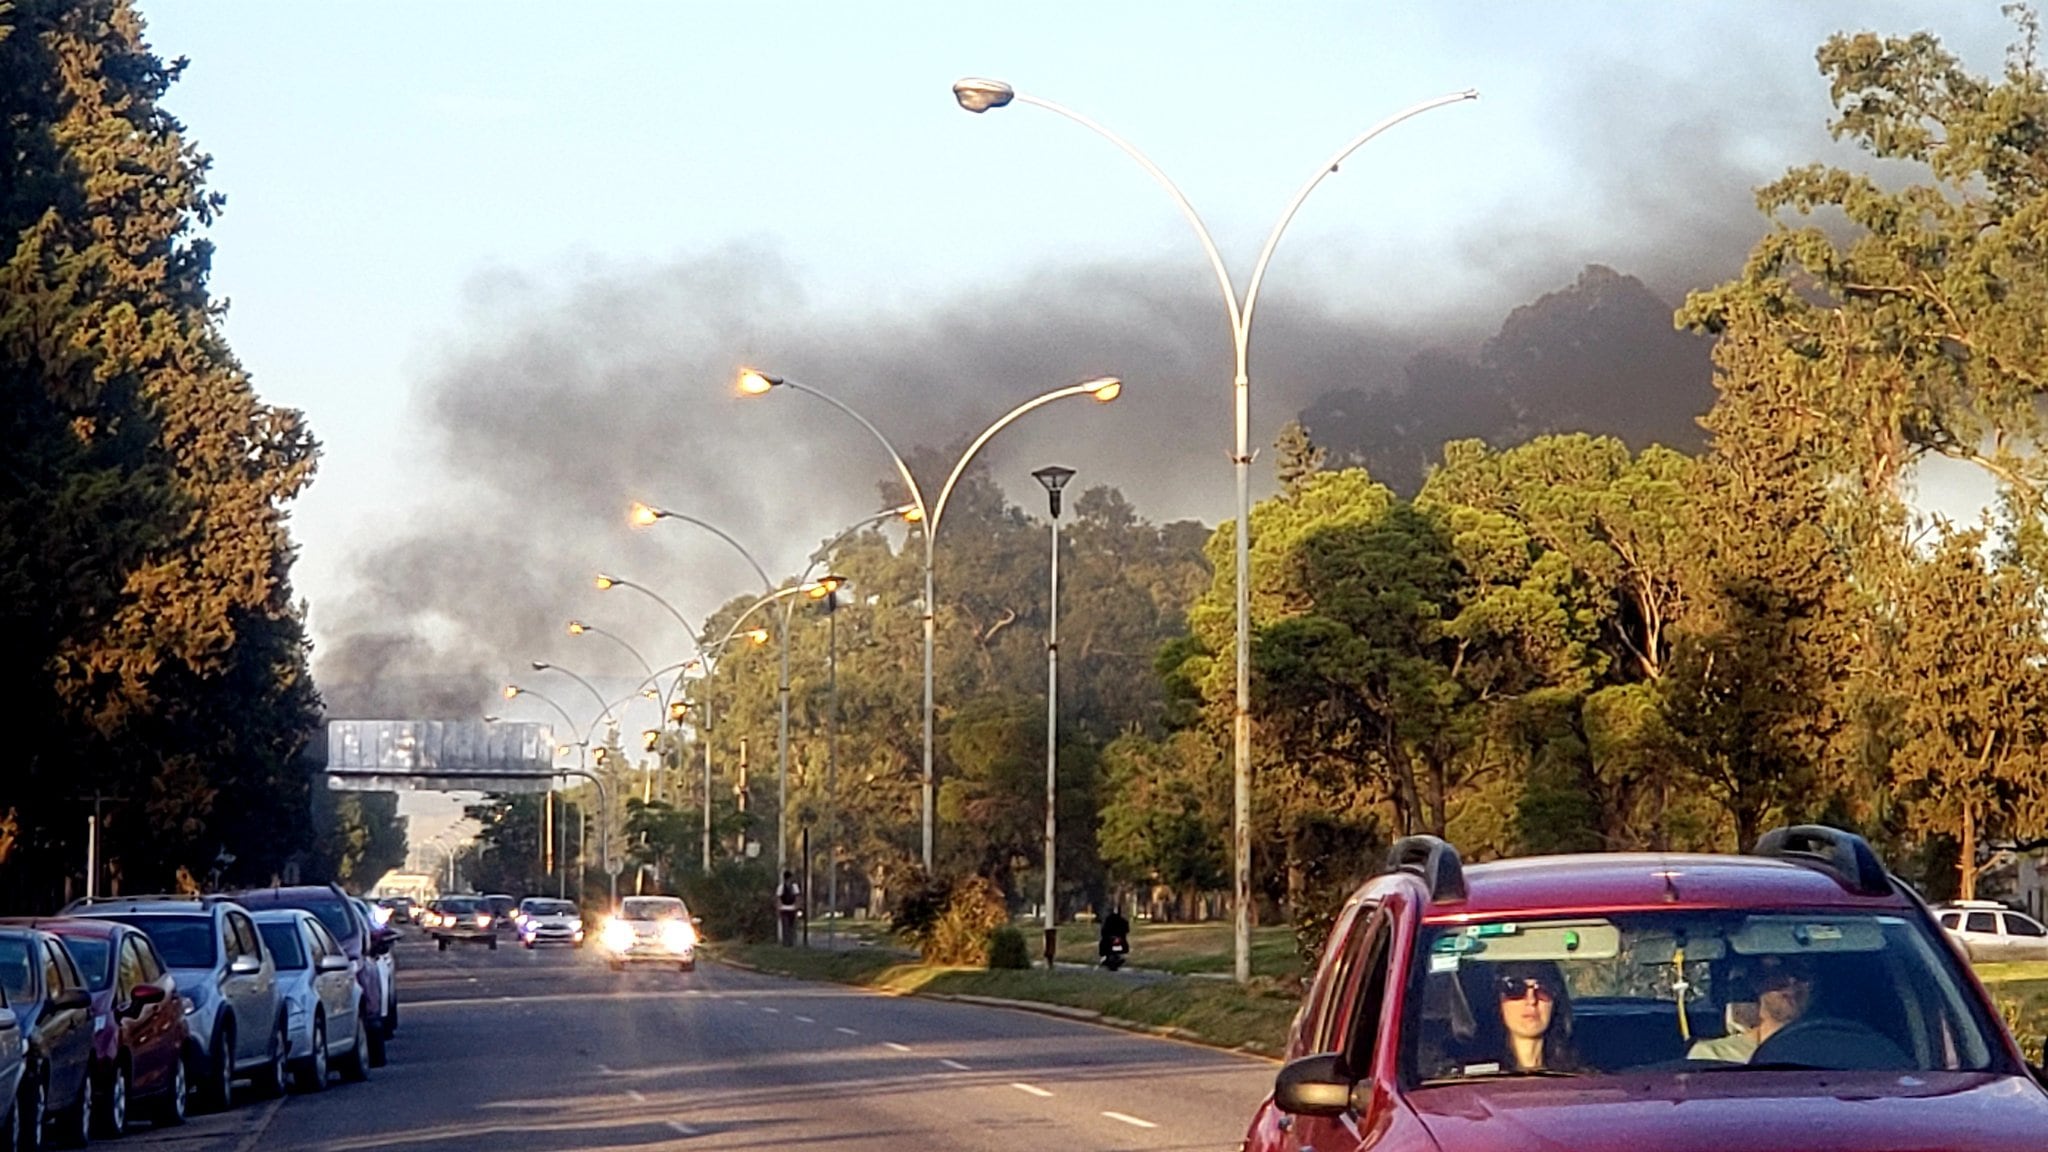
(736,900)
(1006,948)
(951,922)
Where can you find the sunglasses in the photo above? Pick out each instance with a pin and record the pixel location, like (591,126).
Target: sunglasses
(1521,988)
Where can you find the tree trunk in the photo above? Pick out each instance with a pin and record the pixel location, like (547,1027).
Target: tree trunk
(1967,866)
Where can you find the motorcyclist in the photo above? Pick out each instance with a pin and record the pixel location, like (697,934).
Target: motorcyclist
(1115,930)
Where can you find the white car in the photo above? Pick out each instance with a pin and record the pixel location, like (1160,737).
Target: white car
(542,920)
(1990,932)
(651,930)
(323,1003)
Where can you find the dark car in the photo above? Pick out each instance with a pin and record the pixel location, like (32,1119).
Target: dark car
(461,919)
(1796,999)
(399,906)
(504,911)
(337,913)
(139,1033)
(54,1012)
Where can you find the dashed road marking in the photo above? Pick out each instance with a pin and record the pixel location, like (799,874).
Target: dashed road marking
(846,1031)
(893,1046)
(1032,1090)
(681,1129)
(1133,1121)
(606,1070)
(635,1096)
(956,1066)
(805,1020)
(772,1011)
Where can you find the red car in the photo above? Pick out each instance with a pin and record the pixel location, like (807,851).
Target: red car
(139,1034)
(1798,998)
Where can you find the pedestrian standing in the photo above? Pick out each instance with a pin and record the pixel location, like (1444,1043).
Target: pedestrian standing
(788,899)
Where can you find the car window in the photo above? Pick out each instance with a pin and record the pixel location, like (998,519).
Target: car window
(1684,991)
(652,908)
(53,972)
(1951,919)
(95,957)
(550,908)
(1319,1020)
(182,941)
(1981,922)
(242,935)
(324,942)
(287,948)
(2018,925)
(130,971)
(1371,996)
(152,964)
(16,969)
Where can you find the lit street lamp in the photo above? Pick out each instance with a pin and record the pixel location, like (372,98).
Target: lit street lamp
(980,95)
(1104,389)
(1054,479)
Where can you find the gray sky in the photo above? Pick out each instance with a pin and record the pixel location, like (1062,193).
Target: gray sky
(505,257)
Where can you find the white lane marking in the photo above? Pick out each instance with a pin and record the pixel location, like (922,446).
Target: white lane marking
(1133,1121)
(893,1046)
(741,1003)
(846,1031)
(805,1020)
(772,1011)
(1033,1090)
(956,1066)
(635,1097)
(606,1070)
(681,1129)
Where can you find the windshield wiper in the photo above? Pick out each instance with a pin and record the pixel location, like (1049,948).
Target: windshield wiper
(1772,1066)
(1504,1074)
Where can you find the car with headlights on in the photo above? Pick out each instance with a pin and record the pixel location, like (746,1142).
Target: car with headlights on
(549,921)
(227,986)
(53,1012)
(650,930)
(139,1032)
(504,911)
(329,1024)
(1798,998)
(461,920)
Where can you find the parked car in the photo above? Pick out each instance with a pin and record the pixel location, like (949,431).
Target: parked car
(338,915)
(1798,998)
(383,938)
(53,1012)
(13,1059)
(1990,932)
(461,920)
(139,1033)
(651,929)
(227,986)
(544,920)
(324,1005)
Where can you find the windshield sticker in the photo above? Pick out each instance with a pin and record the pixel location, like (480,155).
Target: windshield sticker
(1444,962)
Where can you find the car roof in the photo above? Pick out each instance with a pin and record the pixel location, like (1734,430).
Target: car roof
(193,907)
(1648,880)
(277,915)
(67,925)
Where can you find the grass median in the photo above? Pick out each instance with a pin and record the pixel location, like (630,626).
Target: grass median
(1253,1018)
(2021,993)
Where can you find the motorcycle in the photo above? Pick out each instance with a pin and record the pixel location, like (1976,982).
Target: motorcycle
(1113,952)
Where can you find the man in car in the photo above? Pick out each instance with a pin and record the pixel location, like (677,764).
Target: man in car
(1782,988)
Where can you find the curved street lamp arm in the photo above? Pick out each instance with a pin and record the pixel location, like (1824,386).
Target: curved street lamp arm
(550,702)
(587,687)
(722,534)
(1251,294)
(621,642)
(931,524)
(902,469)
(1187,209)
(665,605)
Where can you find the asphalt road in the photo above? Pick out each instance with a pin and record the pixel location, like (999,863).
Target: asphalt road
(535,1052)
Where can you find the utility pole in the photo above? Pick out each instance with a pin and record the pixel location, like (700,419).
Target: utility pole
(1054,479)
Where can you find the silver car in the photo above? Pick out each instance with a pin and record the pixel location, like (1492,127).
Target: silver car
(323,1002)
(545,921)
(651,930)
(1991,933)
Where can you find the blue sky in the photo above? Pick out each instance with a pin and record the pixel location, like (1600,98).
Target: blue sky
(414,188)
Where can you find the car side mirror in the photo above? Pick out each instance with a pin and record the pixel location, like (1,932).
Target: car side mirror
(245,966)
(8,1021)
(1318,1085)
(71,998)
(380,944)
(332,962)
(144,995)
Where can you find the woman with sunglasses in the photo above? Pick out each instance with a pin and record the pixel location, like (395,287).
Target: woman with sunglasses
(1537,1015)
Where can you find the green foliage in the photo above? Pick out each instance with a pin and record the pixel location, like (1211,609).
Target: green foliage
(951,922)
(736,900)
(361,837)
(1006,948)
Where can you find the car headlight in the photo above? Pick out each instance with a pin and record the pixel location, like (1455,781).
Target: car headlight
(483,920)
(678,936)
(617,935)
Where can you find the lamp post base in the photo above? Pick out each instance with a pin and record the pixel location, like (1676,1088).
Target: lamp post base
(1051,946)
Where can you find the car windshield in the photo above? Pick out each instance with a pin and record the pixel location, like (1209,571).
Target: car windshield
(330,910)
(14,968)
(283,941)
(1686,991)
(651,908)
(460,906)
(550,908)
(183,941)
(92,954)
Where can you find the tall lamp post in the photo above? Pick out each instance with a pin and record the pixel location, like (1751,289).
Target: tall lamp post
(829,587)
(1103,389)
(980,95)
(1055,480)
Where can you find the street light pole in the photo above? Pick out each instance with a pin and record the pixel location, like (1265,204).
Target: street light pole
(980,95)
(1054,479)
(1103,389)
